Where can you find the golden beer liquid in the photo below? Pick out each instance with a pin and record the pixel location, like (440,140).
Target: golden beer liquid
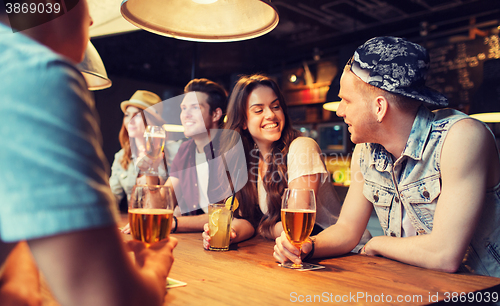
(298,224)
(220,231)
(150,225)
(154,144)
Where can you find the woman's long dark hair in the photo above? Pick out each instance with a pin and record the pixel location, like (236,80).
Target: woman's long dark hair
(275,179)
(125,143)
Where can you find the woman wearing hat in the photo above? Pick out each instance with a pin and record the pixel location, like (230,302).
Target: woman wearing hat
(124,174)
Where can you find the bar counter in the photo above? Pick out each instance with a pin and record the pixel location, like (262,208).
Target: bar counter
(248,274)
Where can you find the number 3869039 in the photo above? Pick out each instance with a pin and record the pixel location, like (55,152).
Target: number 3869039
(32,8)
(488,297)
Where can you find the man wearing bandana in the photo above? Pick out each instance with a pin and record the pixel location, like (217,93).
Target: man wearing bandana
(431,176)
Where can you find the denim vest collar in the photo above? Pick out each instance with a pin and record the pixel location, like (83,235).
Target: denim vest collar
(419,133)
(381,158)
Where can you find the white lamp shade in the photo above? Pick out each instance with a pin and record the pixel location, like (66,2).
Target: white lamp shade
(197,20)
(93,69)
(331,106)
(487,117)
(107,18)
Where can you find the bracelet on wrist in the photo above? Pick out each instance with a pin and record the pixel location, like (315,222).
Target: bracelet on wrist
(174,229)
(311,253)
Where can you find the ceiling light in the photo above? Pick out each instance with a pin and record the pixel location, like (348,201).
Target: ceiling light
(107,19)
(204,1)
(93,69)
(173,128)
(293,78)
(200,20)
(487,117)
(486,102)
(331,106)
(332,99)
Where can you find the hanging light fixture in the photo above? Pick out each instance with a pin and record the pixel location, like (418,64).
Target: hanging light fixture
(173,128)
(332,98)
(203,20)
(93,69)
(486,103)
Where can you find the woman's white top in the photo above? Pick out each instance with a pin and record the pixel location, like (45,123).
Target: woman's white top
(305,158)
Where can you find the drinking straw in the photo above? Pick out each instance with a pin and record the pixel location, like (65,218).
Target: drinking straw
(143,118)
(234,189)
(165,160)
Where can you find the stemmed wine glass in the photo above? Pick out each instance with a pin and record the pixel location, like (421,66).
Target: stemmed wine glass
(154,138)
(298,215)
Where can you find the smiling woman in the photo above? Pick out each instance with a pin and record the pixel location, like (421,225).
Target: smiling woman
(124,174)
(276,159)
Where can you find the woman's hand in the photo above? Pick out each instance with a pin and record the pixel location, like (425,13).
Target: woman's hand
(144,162)
(285,251)
(126,229)
(206,236)
(278,229)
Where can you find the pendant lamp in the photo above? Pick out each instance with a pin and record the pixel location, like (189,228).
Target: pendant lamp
(203,20)
(332,99)
(93,69)
(486,103)
(332,96)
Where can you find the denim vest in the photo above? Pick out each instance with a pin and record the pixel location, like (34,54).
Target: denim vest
(414,181)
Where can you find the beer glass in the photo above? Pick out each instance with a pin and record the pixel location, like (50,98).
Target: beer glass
(154,138)
(298,215)
(150,212)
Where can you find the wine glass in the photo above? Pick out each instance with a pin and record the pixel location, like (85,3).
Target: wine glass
(298,215)
(154,138)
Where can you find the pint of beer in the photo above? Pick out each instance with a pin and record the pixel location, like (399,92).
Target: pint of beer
(150,212)
(298,215)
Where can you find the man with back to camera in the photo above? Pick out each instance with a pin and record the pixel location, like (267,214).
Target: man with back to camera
(53,181)
(432,177)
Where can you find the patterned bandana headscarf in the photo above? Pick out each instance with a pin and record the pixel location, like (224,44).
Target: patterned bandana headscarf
(395,65)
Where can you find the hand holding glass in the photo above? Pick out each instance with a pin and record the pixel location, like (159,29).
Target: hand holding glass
(298,215)
(219,222)
(150,212)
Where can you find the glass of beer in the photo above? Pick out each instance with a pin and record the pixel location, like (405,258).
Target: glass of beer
(150,212)
(219,223)
(154,138)
(298,215)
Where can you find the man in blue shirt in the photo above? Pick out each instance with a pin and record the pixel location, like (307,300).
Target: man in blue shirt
(54,185)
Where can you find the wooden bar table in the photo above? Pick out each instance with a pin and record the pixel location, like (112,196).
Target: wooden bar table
(248,274)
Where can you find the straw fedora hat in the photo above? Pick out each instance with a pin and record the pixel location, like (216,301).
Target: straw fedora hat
(147,101)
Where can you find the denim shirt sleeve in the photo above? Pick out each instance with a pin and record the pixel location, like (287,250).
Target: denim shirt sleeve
(54,176)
